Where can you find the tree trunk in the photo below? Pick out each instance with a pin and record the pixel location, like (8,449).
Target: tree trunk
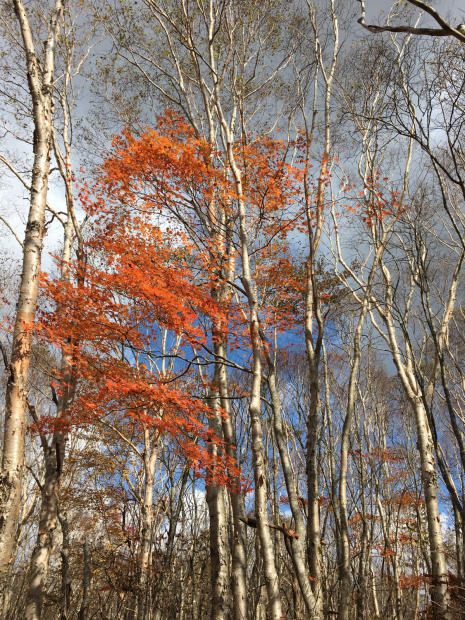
(239,557)
(258,454)
(40,88)
(86,578)
(458,522)
(344,560)
(429,475)
(54,458)
(219,578)
(361,585)
(312,468)
(144,606)
(297,545)
(65,574)
(43,547)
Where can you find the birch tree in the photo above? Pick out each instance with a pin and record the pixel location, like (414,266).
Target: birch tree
(40,74)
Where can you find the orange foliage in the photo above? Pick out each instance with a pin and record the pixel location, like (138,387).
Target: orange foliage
(141,277)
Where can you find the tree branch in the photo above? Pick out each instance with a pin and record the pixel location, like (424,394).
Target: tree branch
(446,29)
(10,228)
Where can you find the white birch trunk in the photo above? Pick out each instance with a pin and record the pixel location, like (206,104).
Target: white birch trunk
(53,457)
(219,576)
(40,80)
(144,611)
(258,453)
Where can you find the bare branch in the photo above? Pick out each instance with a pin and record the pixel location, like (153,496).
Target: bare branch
(10,228)
(446,29)
(20,178)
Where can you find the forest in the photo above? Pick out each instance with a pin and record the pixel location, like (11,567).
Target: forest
(232,245)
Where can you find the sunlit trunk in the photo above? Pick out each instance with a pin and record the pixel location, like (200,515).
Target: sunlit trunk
(429,475)
(40,80)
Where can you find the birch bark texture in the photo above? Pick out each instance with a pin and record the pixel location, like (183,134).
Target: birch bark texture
(40,77)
